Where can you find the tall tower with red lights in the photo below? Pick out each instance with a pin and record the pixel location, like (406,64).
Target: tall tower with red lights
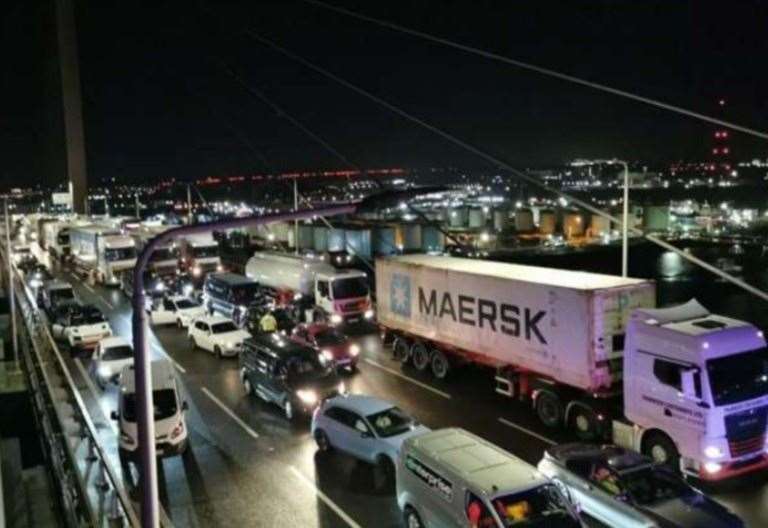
(721,153)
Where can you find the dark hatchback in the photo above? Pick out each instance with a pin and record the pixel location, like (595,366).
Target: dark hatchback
(288,374)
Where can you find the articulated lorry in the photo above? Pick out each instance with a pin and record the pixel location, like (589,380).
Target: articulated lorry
(333,294)
(164,260)
(591,353)
(200,255)
(102,253)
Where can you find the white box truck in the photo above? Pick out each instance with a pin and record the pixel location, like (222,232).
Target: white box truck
(590,353)
(102,253)
(200,255)
(337,295)
(55,239)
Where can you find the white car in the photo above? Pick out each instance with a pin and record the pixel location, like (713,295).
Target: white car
(217,334)
(178,310)
(110,357)
(80,326)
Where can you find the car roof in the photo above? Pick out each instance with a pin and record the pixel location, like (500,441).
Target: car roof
(281,346)
(616,457)
(485,466)
(360,403)
(114,341)
(163,376)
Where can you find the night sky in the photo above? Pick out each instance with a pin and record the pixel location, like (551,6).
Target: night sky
(159,103)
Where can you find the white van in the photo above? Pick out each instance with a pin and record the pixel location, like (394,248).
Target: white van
(170,423)
(451,478)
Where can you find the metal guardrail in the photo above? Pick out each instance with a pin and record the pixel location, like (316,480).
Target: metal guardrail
(90,492)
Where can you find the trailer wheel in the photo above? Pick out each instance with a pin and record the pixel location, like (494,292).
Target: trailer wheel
(583,422)
(440,365)
(549,408)
(420,355)
(661,449)
(401,351)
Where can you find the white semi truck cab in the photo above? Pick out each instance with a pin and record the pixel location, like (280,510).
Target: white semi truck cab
(164,260)
(339,295)
(102,252)
(200,255)
(695,388)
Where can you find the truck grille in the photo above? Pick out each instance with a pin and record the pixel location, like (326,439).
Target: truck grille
(747,446)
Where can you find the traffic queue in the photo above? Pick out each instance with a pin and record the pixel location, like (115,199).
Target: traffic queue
(292,352)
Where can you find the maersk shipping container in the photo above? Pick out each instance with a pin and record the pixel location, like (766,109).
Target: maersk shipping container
(566,325)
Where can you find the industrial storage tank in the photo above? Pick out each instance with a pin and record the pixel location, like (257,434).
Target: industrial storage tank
(320,238)
(336,239)
(476,217)
(573,225)
(358,242)
(382,240)
(547,222)
(599,226)
(524,220)
(412,234)
(306,236)
(500,219)
(432,239)
(457,217)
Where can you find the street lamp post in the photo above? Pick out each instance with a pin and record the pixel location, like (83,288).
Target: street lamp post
(150,510)
(625,222)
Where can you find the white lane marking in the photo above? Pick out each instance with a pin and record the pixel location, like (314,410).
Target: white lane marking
(231,414)
(406,378)
(527,431)
(85,285)
(177,365)
(94,392)
(323,497)
(107,303)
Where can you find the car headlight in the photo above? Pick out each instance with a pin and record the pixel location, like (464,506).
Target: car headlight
(713,452)
(188,289)
(103,371)
(160,286)
(307,396)
(336,319)
(219,268)
(327,355)
(712,467)
(196,271)
(354,349)
(177,431)
(342,388)
(369,313)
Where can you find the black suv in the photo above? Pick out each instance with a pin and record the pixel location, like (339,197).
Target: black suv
(286,373)
(231,295)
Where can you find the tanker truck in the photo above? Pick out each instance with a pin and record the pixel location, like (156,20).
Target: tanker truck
(102,253)
(589,352)
(332,294)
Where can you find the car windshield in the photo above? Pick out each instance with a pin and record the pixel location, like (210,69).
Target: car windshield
(205,251)
(541,507)
(391,422)
(63,239)
(183,304)
(652,484)
(738,377)
(164,400)
(114,254)
(116,353)
(223,328)
(245,293)
(303,369)
(87,318)
(162,254)
(350,288)
(62,294)
(329,337)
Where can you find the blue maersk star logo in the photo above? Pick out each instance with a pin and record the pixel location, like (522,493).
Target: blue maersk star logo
(400,294)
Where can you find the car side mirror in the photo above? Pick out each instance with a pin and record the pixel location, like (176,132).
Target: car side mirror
(114,415)
(184,406)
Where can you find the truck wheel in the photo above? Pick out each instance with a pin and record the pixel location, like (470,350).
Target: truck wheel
(440,365)
(217,352)
(420,356)
(549,409)
(583,422)
(246,382)
(411,518)
(321,439)
(661,449)
(401,351)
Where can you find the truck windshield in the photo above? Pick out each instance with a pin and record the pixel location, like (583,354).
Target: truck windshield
(350,288)
(164,400)
(542,507)
(205,251)
(162,254)
(114,254)
(63,239)
(739,377)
